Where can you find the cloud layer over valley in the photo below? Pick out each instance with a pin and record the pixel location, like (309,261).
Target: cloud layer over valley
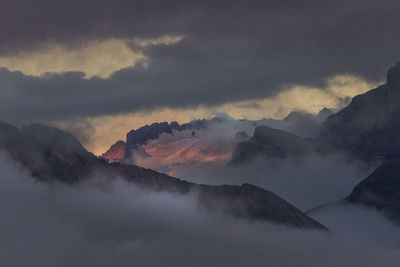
(113,223)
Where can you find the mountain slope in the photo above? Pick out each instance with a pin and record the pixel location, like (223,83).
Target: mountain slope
(56,156)
(369,128)
(380,190)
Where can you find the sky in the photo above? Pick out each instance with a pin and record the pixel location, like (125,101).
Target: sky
(74,63)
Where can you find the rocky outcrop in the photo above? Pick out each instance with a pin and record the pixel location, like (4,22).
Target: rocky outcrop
(52,155)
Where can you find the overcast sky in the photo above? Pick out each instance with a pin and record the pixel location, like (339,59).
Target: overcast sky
(116,57)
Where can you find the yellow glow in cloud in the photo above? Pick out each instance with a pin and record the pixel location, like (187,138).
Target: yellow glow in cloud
(106,130)
(301,98)
(94,58)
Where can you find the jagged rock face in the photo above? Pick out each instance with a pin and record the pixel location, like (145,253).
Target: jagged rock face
(153,131)
(273,144)
(380,190)
(56,156)
(369,128)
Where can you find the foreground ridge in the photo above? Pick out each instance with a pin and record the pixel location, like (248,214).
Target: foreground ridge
(52,155)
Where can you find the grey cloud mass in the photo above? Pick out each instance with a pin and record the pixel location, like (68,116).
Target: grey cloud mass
(112,223)
(233,50)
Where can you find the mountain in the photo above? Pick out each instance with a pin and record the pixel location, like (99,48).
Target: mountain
(171,147)
(380,190)
(296,139)
(52,155)
(153,131)
(167,147)
(47,152)
(369,127)
(273,144)
(161,146)
(305,124)
(116,153)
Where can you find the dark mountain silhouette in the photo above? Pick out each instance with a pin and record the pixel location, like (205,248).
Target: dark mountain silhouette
(52,155)
(380,191)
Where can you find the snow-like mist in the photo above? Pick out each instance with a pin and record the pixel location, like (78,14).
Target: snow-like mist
(306,183)
(113,223)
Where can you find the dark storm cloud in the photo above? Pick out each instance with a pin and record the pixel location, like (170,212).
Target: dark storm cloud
(234,50)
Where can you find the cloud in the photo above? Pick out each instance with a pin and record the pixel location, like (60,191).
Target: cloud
(308,182)
(94,58)
(105,223)
(98,133)
(335,93)
(241,52)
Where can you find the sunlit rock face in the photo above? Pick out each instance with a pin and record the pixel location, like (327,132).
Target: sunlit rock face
(188,147)
(116,153)
(168,146)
